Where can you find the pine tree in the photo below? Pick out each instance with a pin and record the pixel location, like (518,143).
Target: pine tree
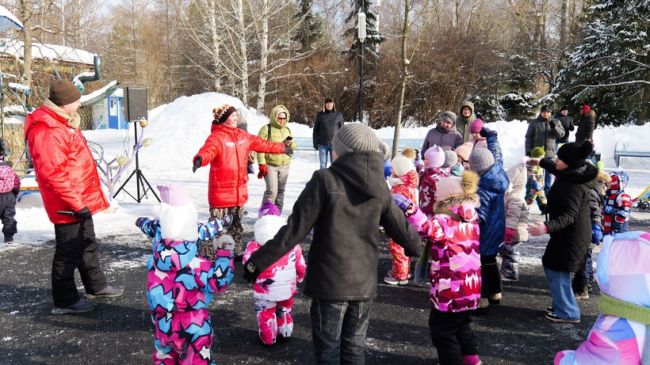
(373,36)
(610,67)
(311,29)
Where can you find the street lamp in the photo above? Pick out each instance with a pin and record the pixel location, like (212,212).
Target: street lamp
(361,34)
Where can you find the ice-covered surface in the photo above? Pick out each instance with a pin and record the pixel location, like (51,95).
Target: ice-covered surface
(178,130)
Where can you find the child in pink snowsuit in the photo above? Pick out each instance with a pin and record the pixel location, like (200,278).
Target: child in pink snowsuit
(180,283)
(434,158)
(276,286)
(9,188)
(404,181)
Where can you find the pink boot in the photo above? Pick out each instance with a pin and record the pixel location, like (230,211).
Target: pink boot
(471,360)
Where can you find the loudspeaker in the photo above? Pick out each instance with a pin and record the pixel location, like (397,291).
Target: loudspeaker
(136,103)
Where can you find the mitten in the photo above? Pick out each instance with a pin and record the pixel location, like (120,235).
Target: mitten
(403,203)
(225,242)
(263,171)
(196,163)
(250,272)
(596,233)
(485,132)
(15,191)
(139,220)
(510,235)
(552,124)
(84,213)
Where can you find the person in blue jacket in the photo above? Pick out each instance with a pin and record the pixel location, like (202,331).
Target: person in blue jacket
(492,186)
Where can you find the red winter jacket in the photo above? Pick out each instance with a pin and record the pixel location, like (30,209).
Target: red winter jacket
(226,150)
(65,169)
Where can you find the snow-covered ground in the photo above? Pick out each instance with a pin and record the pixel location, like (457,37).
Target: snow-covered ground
(178,130)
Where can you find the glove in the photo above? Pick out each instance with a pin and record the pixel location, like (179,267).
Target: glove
(263,171)
(403,203)
(596,233)
(288,151)
(316,147)
(84,213)
(510,235)
(196,163)
(485,132)
(552,124)
(250,272)
(15,191)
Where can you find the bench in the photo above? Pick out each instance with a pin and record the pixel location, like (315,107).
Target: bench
(625,153)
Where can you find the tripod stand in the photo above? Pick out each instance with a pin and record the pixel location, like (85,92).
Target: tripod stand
(140,180)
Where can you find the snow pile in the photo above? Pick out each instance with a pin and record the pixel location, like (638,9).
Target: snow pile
(178,130)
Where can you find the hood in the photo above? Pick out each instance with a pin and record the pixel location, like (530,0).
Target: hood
(580,175)
(363,172)
(470,105)
(464,206)
(517,176)
(277,109)
(171,255)
(178,222)
(266,227)
(43,116)
(619,182)
(494,180)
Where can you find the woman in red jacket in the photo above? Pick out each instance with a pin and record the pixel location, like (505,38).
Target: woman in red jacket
(68,181)
(226,150)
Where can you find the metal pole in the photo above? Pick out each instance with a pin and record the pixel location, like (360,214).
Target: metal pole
(360,112)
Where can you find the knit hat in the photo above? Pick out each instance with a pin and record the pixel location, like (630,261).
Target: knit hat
(451,159)
(268,208)
(586,109)
(546,108)
(537,152)
(409,153)
(575,154)
(222,112)
(63,92)
(481,160)
(464,150)
(455,186)
(267,227)
(402,165)
(173,195)
(329,100)
(448,116)
(355,137)
(564,107)
(476,126)
(434,156)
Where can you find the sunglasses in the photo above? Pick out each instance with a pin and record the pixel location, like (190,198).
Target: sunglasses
(280,118)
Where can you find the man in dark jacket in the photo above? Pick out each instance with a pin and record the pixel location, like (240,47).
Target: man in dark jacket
(542,132)
(567,123)
(326,124)
(569,226)
(587,125)
(344,204)
(444,134)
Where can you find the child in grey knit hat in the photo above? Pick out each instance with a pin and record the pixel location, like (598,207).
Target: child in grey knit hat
(451,161)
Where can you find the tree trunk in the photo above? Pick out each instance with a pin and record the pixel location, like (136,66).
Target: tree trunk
(456,15)
(216,44)
(564,14)
(264,56)
(25,15)
(405,65)
(644,111)
(244,51)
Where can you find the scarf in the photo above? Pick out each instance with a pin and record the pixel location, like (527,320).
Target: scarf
(74,119)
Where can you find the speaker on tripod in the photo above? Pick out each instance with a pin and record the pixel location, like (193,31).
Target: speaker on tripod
(136,111)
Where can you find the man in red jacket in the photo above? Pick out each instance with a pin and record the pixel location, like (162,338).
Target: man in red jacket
(70,187)
(226,150)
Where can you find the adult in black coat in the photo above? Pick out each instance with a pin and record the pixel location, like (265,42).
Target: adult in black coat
(567,122)
(587,125)
(569,225)
(345,204)
(326,124)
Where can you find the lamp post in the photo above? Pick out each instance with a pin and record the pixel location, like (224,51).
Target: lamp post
(361,34)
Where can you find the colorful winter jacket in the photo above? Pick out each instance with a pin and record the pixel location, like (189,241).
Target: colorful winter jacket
(226,150)
(406,185)
(278,134)
(278,281)
(492,212)
(8,179)
(535,185)
(428,182)
(65,169)
(620,334)
(179,280)
(618,203)
(455,263)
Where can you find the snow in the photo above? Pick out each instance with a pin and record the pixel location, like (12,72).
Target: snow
(47,51)
(178,130)
(97,93)
(8,20)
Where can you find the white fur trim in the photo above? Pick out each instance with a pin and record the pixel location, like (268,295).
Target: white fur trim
(179,222)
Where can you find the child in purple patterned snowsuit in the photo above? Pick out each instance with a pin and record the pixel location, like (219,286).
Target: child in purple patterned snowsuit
(9,188)
(180,283)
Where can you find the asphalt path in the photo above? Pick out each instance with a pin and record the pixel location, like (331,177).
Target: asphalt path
(120,331)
